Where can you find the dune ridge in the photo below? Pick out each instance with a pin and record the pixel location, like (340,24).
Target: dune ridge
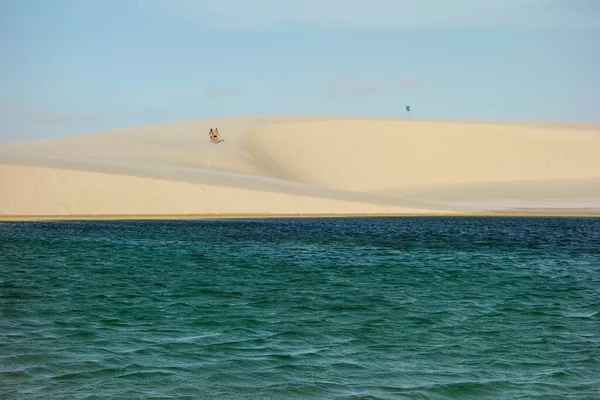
(306,165)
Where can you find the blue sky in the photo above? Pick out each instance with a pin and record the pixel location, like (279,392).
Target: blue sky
(71,66)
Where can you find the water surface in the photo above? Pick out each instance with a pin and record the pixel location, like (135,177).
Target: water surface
(339,308)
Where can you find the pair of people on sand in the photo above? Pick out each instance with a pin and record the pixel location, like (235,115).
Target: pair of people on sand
(213,134)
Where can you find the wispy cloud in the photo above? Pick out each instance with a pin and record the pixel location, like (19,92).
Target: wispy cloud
(11,113)
(381,14)
(346,88)
(213,90)
(24,122)
(409,83)
(351,91)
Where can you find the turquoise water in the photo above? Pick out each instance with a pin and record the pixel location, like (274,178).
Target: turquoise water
(334,308)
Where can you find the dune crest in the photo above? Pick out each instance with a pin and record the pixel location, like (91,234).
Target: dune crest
(290,165)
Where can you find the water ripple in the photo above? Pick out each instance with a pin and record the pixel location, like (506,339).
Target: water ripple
(343,308)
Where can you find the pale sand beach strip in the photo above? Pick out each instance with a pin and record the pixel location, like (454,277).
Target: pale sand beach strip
(306,166)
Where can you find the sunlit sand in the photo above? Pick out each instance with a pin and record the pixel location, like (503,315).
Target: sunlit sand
(306,165)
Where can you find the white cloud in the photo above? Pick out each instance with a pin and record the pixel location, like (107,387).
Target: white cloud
(380,14)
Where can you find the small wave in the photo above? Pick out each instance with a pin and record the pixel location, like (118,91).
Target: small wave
(99,373)
(305,352)
(469,389)
(6,376)
(197,337)
(146,374)
(581,314)
(348,366)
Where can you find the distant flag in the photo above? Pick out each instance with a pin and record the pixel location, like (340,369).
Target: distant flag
(407,110)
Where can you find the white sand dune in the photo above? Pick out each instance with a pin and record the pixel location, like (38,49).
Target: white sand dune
(290,165)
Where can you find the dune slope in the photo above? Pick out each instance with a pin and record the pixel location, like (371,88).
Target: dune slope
(282,165)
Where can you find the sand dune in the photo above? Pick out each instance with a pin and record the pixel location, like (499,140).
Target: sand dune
(288,165)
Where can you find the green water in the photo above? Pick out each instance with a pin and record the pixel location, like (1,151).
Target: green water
(333,308)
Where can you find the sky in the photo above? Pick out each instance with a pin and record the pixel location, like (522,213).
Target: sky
(72,66)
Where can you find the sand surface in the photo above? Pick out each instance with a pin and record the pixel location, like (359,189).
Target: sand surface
(306,165)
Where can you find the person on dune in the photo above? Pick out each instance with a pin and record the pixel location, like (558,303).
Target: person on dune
(215,136)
